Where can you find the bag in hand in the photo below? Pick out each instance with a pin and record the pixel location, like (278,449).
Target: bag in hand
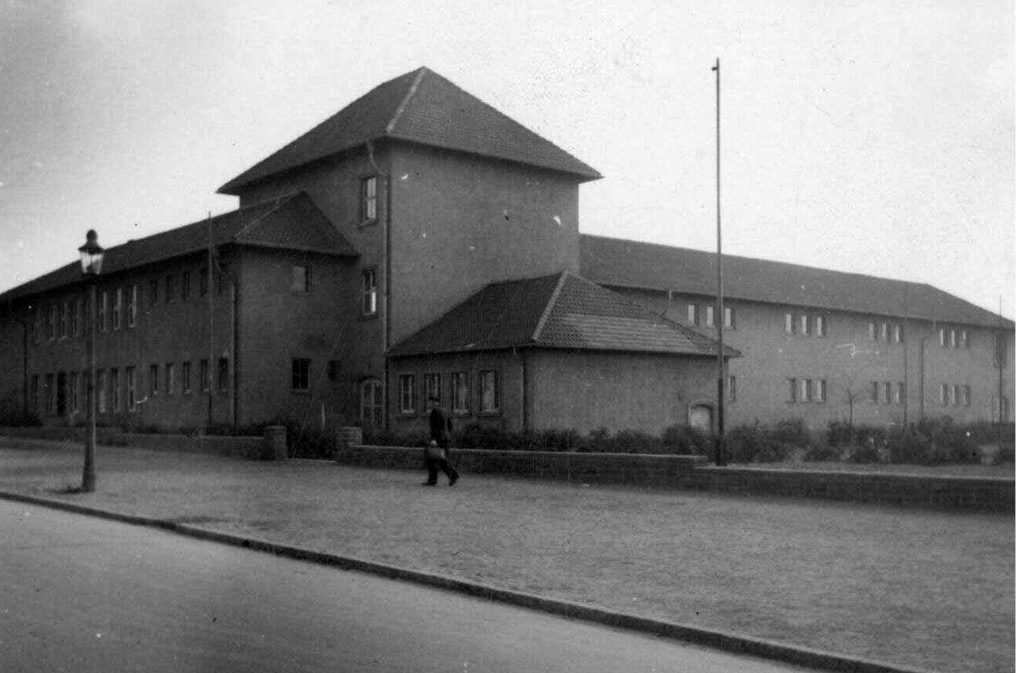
(434,452)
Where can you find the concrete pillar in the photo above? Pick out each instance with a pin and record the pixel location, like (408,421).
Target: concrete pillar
(275,443)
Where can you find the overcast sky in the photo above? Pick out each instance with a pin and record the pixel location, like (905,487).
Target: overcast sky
(871,136)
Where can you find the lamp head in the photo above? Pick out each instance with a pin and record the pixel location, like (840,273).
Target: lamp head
(91,254)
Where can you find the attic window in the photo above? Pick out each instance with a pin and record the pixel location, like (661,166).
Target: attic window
(368,199)
(300,279)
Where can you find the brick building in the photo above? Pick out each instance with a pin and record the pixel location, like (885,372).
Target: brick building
(420,242)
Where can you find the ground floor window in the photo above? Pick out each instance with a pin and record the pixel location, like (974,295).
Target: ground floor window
(371,405)
(460,392)
(101,399)
(131,388)
(223,377)
(490,391)
(407,394)
(301,374)
(185,377)
(114,389)
(432,387)
(74,389)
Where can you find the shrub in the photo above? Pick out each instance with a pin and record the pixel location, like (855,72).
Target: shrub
(684,439)
(16,419)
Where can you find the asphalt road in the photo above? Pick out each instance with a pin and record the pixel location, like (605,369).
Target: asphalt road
(84,594)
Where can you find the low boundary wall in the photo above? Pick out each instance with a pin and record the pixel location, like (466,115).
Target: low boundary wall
(600,468)
(992,494)
(255,448)
(986,494)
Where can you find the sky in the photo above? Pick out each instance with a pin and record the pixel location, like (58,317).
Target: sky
(868,136)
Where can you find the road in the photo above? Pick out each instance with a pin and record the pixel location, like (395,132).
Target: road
(84,594)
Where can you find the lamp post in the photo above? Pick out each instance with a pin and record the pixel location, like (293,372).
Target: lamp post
(91,267)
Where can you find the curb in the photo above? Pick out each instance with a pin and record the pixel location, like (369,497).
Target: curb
(722,640)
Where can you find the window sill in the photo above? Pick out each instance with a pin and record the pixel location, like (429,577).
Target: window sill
(368,316)
(367,223)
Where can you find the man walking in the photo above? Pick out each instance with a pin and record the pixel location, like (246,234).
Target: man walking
(436,455)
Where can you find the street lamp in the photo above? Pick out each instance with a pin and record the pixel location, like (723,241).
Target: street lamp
(91,267)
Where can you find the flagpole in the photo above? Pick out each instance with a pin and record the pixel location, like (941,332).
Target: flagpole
(720,314)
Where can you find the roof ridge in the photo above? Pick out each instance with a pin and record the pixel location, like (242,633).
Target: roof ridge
(550,306)
(405,100)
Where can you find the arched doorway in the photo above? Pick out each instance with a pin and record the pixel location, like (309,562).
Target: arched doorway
(700,417)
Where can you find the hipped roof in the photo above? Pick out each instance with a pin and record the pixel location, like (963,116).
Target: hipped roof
(291,223)
(631,264)
(419,107)
(561,311)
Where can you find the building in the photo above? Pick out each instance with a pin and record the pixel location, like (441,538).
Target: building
(420,242)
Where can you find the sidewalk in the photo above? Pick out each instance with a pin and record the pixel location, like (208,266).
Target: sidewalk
(915,589)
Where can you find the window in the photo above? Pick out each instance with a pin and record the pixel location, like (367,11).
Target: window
(51,324)
(300,279)
(805,325)
(203,281)
(874,392)
(221,279)
(728,317)
(185,377)
(368,199)
(185,286)
(131,386)
(732,389)
(883,331)
(966,396)
(897,333)
(788,323)
(432,386)
(806,390)
(170,288)
(103,311)
(118,308)
(460,392)
(153,292)
(36,400)
(132,305)
(371,405)
(65,311)
(50,394)
(900,395)
(100,376)
(301,374)
(223,374)
(153,380)
(872,331)
(964,339)
(206,376)
(75,398)
(693,314)
(710,320)
(114,389)
(887,392)
(407,394)
(369,287)
(170,378)
(791,390)
(490,391)
(38,330)
(941,336)
(956,394)
(944,395)
(952,338)
(820,390)
(999,409)
(74,329)
(820,326)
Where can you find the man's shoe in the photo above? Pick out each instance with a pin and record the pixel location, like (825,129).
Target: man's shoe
(429,483)
(451,482)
